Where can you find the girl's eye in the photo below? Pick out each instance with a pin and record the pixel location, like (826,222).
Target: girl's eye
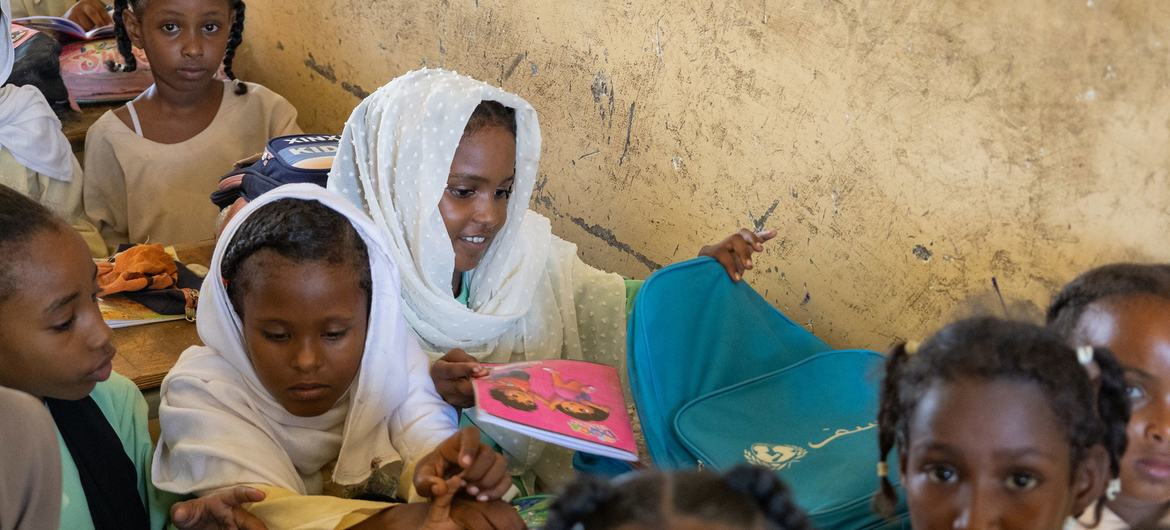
(1022,481)
(461,193)
(211,28)
(336,335)
(64,326)
(1135,392)
(170,28)
(274,336)
(941,474)
(504,194)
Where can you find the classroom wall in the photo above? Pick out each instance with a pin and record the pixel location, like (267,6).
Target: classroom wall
(910,153)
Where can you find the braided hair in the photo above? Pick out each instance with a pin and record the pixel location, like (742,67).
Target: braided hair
(235,38)
(1110,281)
(989,349)
(744,497)
(21,218)
(297,229)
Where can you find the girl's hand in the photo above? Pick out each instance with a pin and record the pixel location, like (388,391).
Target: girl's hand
(221,509)
(483,470)
(492,515)
(89,14)
(735,252)
(452,375)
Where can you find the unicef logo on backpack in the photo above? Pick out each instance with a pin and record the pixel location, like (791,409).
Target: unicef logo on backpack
(775,457)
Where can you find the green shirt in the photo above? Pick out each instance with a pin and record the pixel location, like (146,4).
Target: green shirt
(125,409)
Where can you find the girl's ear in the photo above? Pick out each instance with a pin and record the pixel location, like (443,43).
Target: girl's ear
(903,459)
(133,27)
(1090,479)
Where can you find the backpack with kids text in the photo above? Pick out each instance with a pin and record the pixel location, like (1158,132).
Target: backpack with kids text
(292,159)
(720,378)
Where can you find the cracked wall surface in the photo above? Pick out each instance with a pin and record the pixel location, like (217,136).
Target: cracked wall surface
(920,159)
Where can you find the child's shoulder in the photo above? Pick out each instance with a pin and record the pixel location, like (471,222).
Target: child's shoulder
(117,389)
(108,122)
(120,401)
(255,92)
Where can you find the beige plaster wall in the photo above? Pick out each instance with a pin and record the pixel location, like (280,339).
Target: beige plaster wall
(909,152)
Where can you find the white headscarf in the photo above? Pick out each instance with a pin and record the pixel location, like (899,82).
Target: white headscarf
(531,297)
(221,427)
(28,127)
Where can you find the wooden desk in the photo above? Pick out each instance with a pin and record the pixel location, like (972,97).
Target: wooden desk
(146,353)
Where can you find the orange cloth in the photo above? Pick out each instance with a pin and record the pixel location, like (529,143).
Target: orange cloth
(137,268)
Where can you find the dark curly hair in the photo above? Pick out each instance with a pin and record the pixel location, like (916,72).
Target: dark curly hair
(21,218)
(297,229)
(499,395)
(990,349)
(491,114)
(595,413)
(125,47)
(744,497)
(1110,281)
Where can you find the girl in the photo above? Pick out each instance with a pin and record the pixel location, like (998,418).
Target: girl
(747,498)
(997,425)
(446,166)
(151,164)
(1126,308)
(294,392)
(55,346)
(35,157)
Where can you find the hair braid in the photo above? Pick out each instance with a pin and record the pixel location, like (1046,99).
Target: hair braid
(125,47)
(885,500)
(234,39)
(770,493)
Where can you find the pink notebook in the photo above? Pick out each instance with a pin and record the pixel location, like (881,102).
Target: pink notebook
(575,404)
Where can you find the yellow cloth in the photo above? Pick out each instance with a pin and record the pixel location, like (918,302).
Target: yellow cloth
(286,510)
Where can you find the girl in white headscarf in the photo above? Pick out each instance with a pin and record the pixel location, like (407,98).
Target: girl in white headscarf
(446,166)
(294,393)
(35,157)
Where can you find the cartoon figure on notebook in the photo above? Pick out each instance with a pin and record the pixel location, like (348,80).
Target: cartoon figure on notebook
(513,390)
(574,398)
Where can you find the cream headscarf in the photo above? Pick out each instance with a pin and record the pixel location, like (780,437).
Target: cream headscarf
(28,127)
(221,427)
(531,297)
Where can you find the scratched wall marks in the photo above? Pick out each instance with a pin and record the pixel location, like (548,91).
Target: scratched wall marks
(907,153)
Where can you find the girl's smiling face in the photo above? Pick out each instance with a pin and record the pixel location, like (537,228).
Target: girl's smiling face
(1137,330)
(474,206)
(305,329)
(992,454)
(53,341)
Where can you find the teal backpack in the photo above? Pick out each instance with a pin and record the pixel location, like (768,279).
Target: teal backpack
(720,378)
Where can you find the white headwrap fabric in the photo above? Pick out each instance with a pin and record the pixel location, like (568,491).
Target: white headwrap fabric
(531,297)
(221,427)
(28,127)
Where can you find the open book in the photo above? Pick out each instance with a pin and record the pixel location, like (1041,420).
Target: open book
(121,312)
(575,404)
(64,29)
